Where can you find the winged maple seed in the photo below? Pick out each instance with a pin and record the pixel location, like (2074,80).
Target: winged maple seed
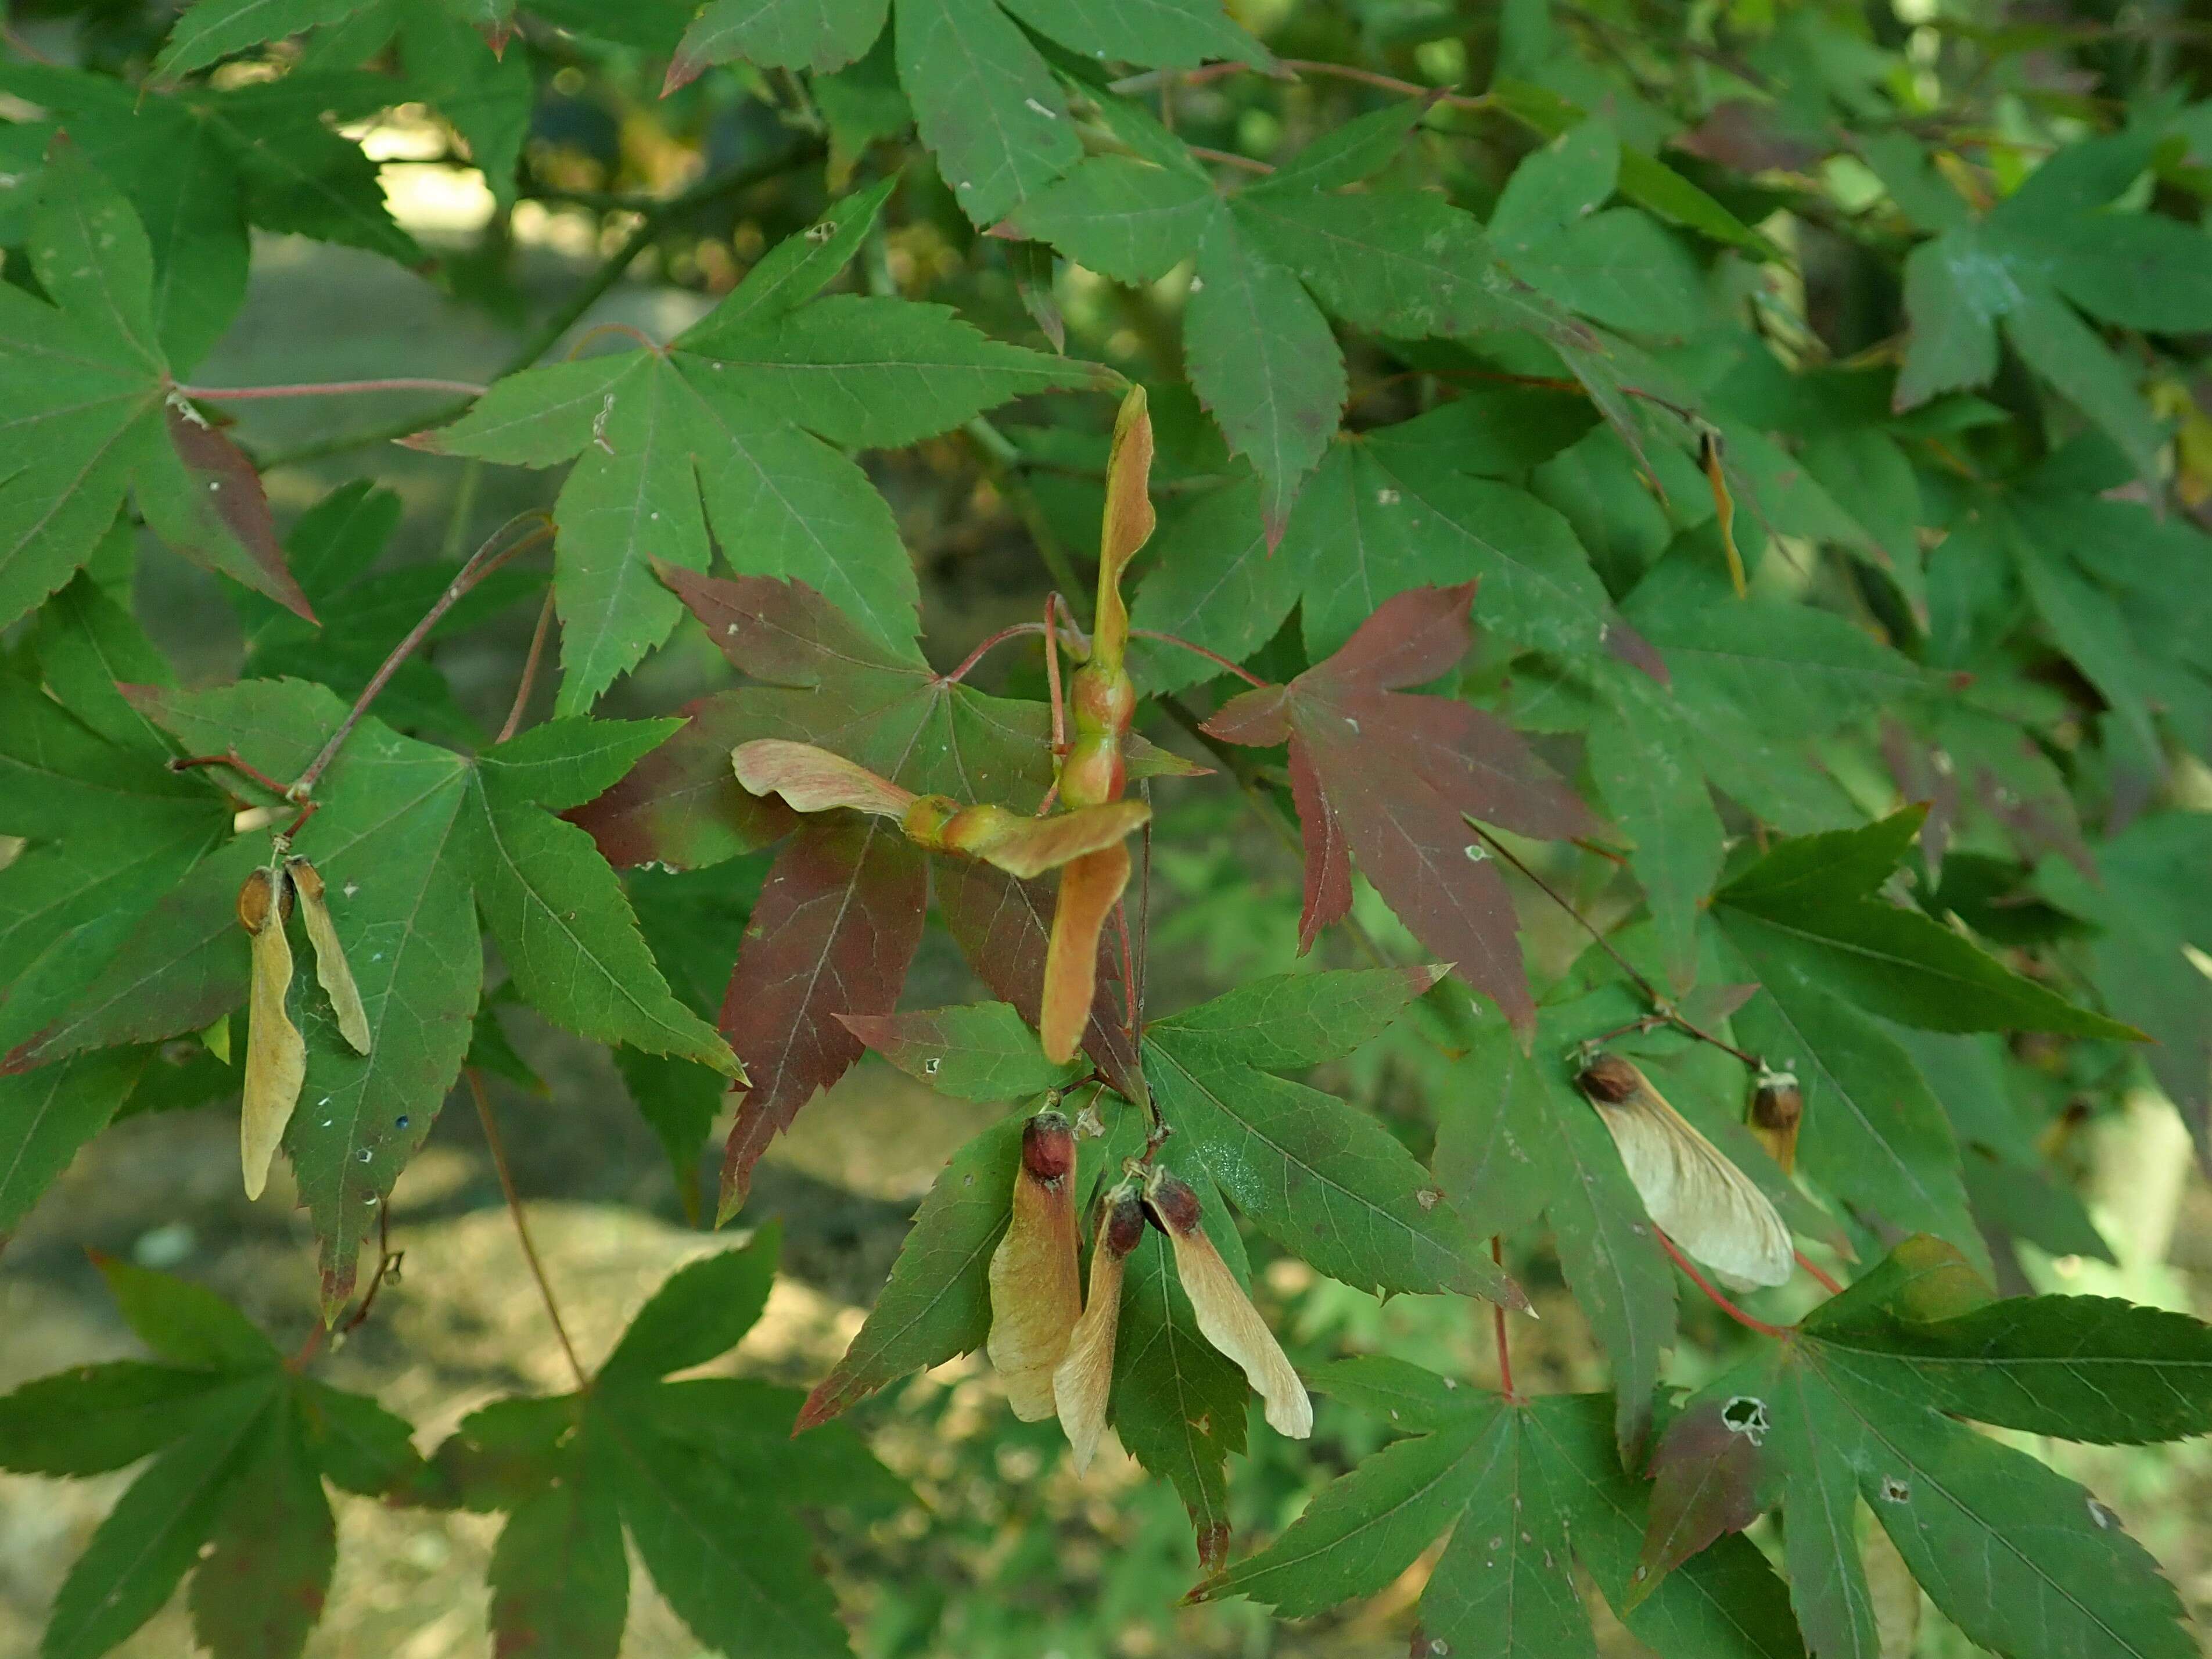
(1037,1295)
(1102,701)
(1085,1376)
(813,779)
(1777,1107)
(333,972)
(1226,1317)
(1693,1194)
(275,1055)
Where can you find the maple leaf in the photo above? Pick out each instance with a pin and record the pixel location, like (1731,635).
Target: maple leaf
(839,914)
(200,166)
(983,96)
(242,1445)
(1393,778)
(736,425)
(1315,1175)
(406,836)
(702,1474)
(92,414)
(2048,248)
(1524,1488)
(1861,1406)
(1271,257)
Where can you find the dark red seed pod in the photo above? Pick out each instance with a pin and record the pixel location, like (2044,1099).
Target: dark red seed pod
(1171,1202)
(1610,1079)
(1125,1222)
(1778,1105)
(1048,1146)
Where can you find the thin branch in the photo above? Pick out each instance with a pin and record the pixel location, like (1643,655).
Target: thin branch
(1214,657)
(238,763)
(1827,1281)
(239,394)
(1228,159)
(529,669)
(521,1227)
(654,219)
(997,639)
(1498,1326)
(1662,1009)
(599,328)
(480,565)
(1713,1296)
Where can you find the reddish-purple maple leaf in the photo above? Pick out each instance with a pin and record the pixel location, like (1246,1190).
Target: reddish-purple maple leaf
(1389,779)
(840,914)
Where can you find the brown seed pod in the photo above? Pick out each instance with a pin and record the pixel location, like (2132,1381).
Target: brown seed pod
(1692,1191)
(276,1057)
(1226,1317)
(1085,1376)
(1777,1107)
(333,972)
(1036,1292)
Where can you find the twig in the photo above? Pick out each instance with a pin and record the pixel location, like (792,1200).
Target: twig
(237,764)
(239,394)
(480,565)
(997,639)
(521,1227)
(1826,1282)
(1714,1296)
(1662,1009)
(599,328)
(1228,159)
(1498,1326)
(529,669)
(1214,657)
(611,271)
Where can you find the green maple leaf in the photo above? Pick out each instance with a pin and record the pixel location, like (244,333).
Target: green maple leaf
(1861,1405)
(487,93)
(1807,914)
(982,93)
(702,1474)
(1615,266)
(2148,910)
(200,166)
(93,413)
(1525,1488)
(986,1051)
(1322,1180)
(736,426)
(1271,258)
(1522,1143)
(242,1445)
(405,835)
(1836,962)
(2048,248)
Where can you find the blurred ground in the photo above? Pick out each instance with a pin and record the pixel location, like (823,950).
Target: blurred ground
(1092,1569)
